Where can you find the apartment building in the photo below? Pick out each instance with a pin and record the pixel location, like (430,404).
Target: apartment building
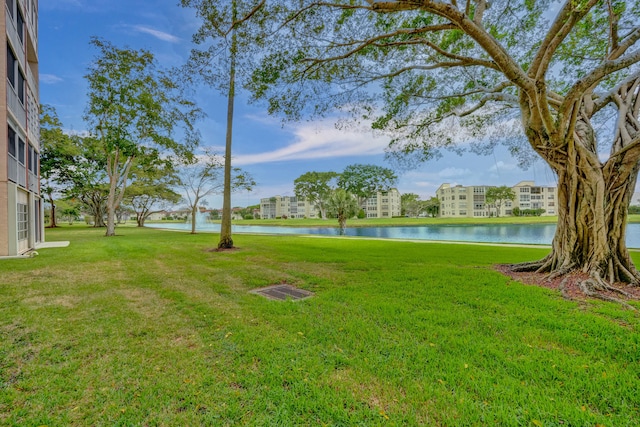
(291,207)
(384,204)
(21,210)
(470,201)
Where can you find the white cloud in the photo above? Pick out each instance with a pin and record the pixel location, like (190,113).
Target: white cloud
(454,172)
(319,141)
(161,35)
(50,79)
(501,166)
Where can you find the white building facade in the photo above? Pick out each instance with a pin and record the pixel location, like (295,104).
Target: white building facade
(470,202)
(287,206)
(384,204)
(21,207)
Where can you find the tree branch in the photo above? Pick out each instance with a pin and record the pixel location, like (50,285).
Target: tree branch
(628,41)
(248,16)
(598,73)
(560,29)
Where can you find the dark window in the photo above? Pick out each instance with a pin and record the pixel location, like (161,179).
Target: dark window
(20,26)
(20,87)
(11,66)
(21,148)
(32,159)
(12,141)
(10,7)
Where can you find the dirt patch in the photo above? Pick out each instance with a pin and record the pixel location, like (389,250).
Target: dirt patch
(567,285)
(233,249)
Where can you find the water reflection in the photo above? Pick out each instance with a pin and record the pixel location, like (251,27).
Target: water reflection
(541,234)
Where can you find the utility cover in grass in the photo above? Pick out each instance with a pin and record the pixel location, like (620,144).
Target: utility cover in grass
(283,292)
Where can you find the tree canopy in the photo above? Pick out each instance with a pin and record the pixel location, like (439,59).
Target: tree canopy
(316,188)
(498,196)
(365,180)
(562,77)
(134,109)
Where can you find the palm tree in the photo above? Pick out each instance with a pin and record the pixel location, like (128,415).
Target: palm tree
(342,205)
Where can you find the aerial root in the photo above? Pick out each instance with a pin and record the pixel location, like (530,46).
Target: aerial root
(528,266)
(594,287)
(563,289)
(566,269)
(632,277)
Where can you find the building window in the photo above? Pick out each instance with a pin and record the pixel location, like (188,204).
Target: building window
(20,87)
(10,7)
(21,148)
(462,197)
(524,189)
(15,76)
(23,222)
(11,137)
(11,66)
(20,26)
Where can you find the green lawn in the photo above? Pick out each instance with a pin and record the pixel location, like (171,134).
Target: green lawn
(151,328)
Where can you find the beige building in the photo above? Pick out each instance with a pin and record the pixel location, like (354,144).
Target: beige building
(385,204)
(21,210)
(291,207)
(469,202)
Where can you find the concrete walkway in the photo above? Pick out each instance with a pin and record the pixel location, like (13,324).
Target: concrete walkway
(45,245)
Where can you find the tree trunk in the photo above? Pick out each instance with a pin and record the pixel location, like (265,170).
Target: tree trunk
(226,242)
(593,202)
(194,215)
(342,222)
(52,222)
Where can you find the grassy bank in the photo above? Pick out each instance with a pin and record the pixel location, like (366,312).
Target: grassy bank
(152,328)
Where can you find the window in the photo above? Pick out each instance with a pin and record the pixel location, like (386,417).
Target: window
(11,66)
(20,26)
(15,76)
(10,7)
(20,87)
(11,137)
(23,222)
(21,147)
(524,189)
(462,197)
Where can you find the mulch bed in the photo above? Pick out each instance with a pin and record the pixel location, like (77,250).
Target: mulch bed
(570,289)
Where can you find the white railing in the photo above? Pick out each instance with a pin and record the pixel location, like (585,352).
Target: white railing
(12,32)
(15,106)
(22,175)
(12,169)
(33,183)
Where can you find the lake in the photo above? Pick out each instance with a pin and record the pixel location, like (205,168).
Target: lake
(537,234)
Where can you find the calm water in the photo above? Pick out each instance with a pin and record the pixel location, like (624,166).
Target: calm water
(541,234)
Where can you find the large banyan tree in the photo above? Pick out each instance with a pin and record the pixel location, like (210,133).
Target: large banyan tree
(565,72)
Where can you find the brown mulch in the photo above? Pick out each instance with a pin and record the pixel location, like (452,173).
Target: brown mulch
(233,249)
(570,289)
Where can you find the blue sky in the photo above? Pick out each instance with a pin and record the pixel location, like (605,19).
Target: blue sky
(273,154)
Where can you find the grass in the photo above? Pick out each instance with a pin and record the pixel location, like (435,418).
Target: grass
(152,328)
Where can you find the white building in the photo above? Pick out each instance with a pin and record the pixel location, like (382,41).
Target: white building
(469,202)
(385,204)
(291,207)
(21,207)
